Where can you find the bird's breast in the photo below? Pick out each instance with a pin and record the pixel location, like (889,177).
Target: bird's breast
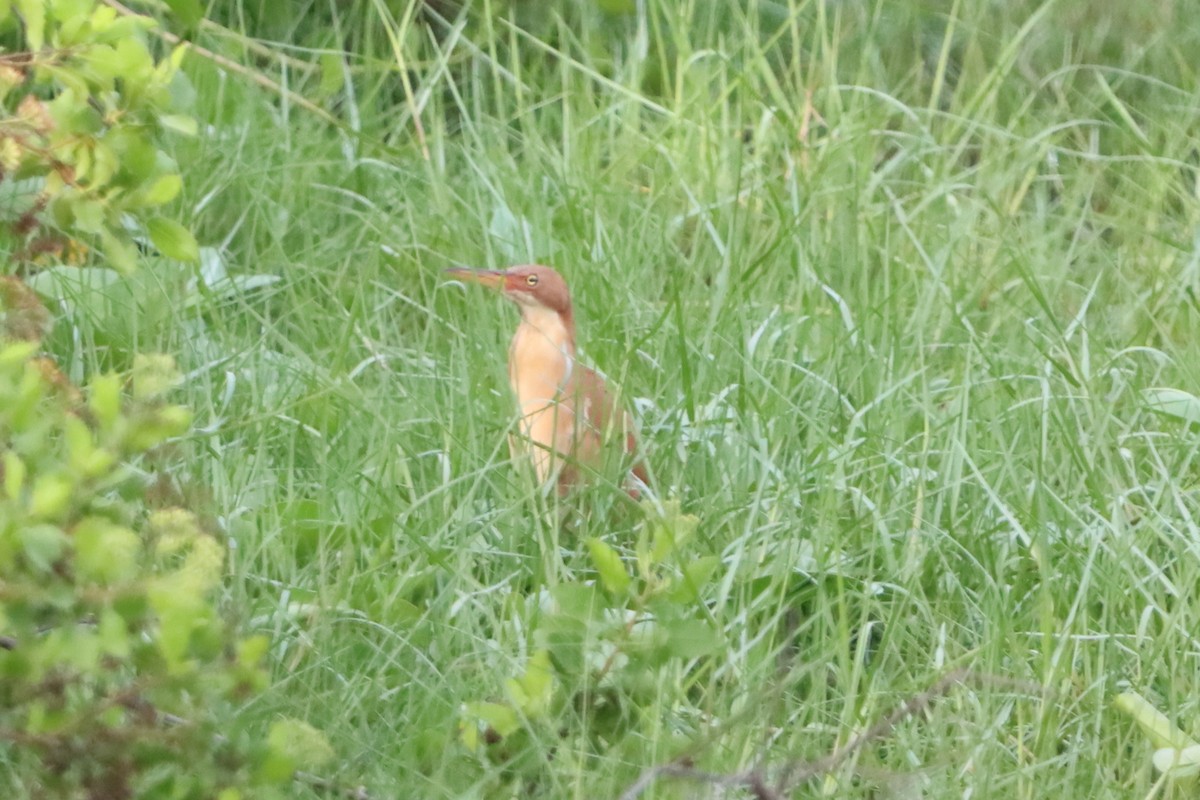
(540,364)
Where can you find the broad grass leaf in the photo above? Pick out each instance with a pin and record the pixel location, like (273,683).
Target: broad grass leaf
(180,123)
(1174,403)
(608,564)
(581,601)
(691,638)
(1178,763)
(695,575)
(173,240)
(533,691)
(163,190)
(1161,732)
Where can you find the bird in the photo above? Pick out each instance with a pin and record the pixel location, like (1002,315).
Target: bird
(569,421)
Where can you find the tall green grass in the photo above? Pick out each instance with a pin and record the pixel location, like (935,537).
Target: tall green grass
(887,281)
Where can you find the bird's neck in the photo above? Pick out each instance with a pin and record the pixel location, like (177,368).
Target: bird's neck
(542,357)
(541,326)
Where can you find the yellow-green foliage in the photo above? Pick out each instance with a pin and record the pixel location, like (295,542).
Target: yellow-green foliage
(83,100)
(118,675)
(115,658)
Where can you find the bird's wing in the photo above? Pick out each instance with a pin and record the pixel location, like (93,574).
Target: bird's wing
(598,405)
(607,417)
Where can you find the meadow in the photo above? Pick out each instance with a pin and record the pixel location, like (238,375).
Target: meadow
(904,295)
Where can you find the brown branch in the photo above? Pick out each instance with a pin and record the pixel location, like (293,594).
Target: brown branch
(325,784)
(750,779)
(233,66)
(755,780)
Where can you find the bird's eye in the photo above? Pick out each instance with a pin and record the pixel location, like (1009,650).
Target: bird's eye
(531,280)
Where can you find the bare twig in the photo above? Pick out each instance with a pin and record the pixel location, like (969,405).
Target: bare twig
(317,782)
(755,779)
(233,66)
(799,772)
(750,779)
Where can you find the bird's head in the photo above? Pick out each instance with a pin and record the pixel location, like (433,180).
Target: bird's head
(530,286)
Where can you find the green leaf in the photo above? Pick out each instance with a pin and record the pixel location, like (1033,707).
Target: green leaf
(132,61)
(276,767)
(89,214)
(333,75)
(1161,732)
(63,10)
(135,151)
(14,472)
(532,692)
(80,443)
(73,113)
(691,638)
(105,553)
(1178,763)
(181,610)
(189,11)
(33,12)
(175,60)
(608,565)
(617,8)
(43,545)
(175,419)
(121,254)
(163,190)
(154,374)
(501,718)
(578,600)
(663,544)
(695,575)
(300,742)
(125,26)
(1174,403)
(16,353)
(104,164)
(51,497)
(74,284)
(665,536)
(86,458)
(173,240)
(565,638)
(155,428)
(252,650)
(180,123)
(113,634)
(104,400)
(104,62)
(102,18)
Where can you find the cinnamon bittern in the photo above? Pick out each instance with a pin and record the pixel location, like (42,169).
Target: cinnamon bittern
(569,420)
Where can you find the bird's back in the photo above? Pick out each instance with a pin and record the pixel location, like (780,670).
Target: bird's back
(606,424)
(569,417)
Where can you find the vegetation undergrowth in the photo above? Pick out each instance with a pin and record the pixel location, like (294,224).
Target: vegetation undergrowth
(905,295)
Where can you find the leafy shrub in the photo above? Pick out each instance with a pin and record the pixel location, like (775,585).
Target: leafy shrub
(599,646)
(84,104)
(118,675)
(116,663)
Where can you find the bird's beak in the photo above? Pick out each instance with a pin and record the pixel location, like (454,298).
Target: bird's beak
(491,278)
